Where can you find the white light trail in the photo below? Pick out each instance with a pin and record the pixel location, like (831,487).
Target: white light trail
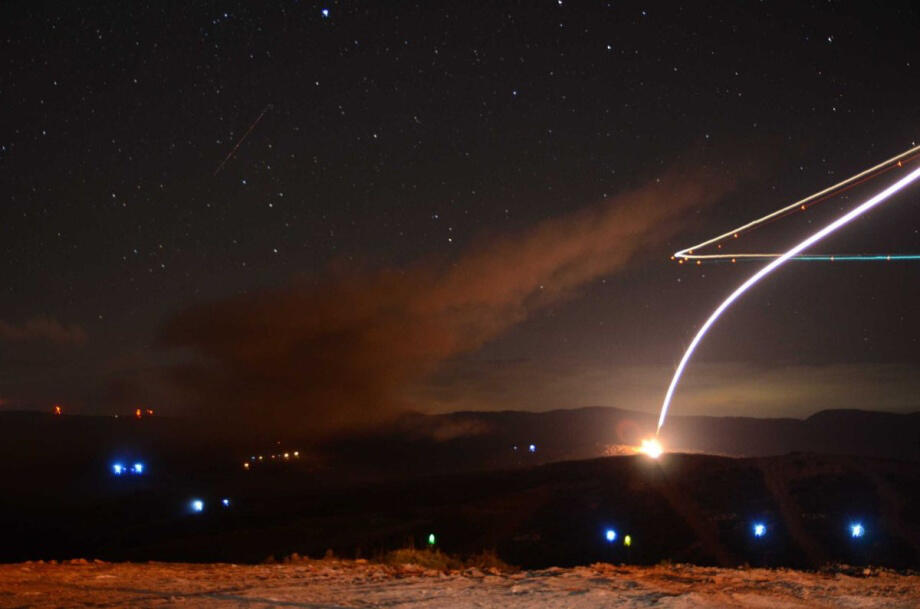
(689,253)
(827,230)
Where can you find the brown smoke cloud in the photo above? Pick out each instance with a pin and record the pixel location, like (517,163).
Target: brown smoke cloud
(343,348)
(42,328)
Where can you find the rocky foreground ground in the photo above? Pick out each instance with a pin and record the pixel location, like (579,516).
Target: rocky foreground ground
(334,583)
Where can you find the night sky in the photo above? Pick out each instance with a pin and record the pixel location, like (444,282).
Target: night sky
(468,207)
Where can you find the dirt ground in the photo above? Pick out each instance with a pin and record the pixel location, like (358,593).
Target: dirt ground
(334,583)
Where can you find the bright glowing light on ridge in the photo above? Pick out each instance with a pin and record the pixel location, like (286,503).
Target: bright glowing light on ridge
(814,238)
(652,448)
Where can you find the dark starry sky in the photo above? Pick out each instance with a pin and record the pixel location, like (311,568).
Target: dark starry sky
(393,133)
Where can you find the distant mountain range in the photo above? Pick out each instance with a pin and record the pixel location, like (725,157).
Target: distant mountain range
(460,475)
(420,444)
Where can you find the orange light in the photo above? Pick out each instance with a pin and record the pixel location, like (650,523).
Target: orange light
(138,413)
(699,262)
(735,235)
(733,260)
(651,447)
(803,208)
(245,464)
(681,261)
(149,412)
(58,411)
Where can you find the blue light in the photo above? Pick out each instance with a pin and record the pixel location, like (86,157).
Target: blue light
(138,468)
(325,13)
(532,448)
(118,469)
(857,530)
(610,535)
(760,529)
(225,502)
(197,505)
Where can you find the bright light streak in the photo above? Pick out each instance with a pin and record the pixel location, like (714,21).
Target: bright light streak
(652,448)
(857,530)
(611,535)
(760,529)
(690,253)
(827,230)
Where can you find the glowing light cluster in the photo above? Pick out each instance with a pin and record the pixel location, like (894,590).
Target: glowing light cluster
(776,263)
(277,457)
(137,468)
(652,448)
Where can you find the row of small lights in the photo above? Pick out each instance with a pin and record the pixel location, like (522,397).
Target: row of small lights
(279,456)
(197,505)
(759,529)
(856,530)
(531,448)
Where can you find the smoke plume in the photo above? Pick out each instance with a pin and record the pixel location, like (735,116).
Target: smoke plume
(342,349)
(42,329)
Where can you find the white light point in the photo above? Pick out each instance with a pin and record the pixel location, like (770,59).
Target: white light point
(652,448)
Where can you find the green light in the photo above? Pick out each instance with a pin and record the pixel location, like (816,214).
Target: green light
(431,539)
(627,541)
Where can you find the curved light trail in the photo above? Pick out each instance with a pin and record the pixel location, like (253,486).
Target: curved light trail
(801,205)
(827,230)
